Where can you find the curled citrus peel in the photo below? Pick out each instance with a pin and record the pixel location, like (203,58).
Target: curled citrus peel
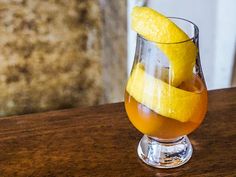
(165,99)
(161,97)
(172,41)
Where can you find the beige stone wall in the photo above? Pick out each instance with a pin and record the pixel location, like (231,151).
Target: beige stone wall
(57,54)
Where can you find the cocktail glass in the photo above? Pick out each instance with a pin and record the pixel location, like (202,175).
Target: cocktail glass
(149,96)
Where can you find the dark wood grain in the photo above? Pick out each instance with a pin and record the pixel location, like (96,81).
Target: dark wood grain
(100,141)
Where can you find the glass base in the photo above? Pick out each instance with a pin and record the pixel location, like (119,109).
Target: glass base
(164,153)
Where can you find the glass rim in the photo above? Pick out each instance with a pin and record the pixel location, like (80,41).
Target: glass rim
(195,36)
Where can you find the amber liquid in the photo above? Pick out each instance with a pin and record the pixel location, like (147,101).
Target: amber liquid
(150,123)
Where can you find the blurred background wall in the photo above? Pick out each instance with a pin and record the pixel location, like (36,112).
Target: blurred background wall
(57,54)
(114,48)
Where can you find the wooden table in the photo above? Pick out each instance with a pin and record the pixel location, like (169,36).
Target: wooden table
(100,141)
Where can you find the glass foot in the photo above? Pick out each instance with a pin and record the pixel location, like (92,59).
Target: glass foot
(165,153)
